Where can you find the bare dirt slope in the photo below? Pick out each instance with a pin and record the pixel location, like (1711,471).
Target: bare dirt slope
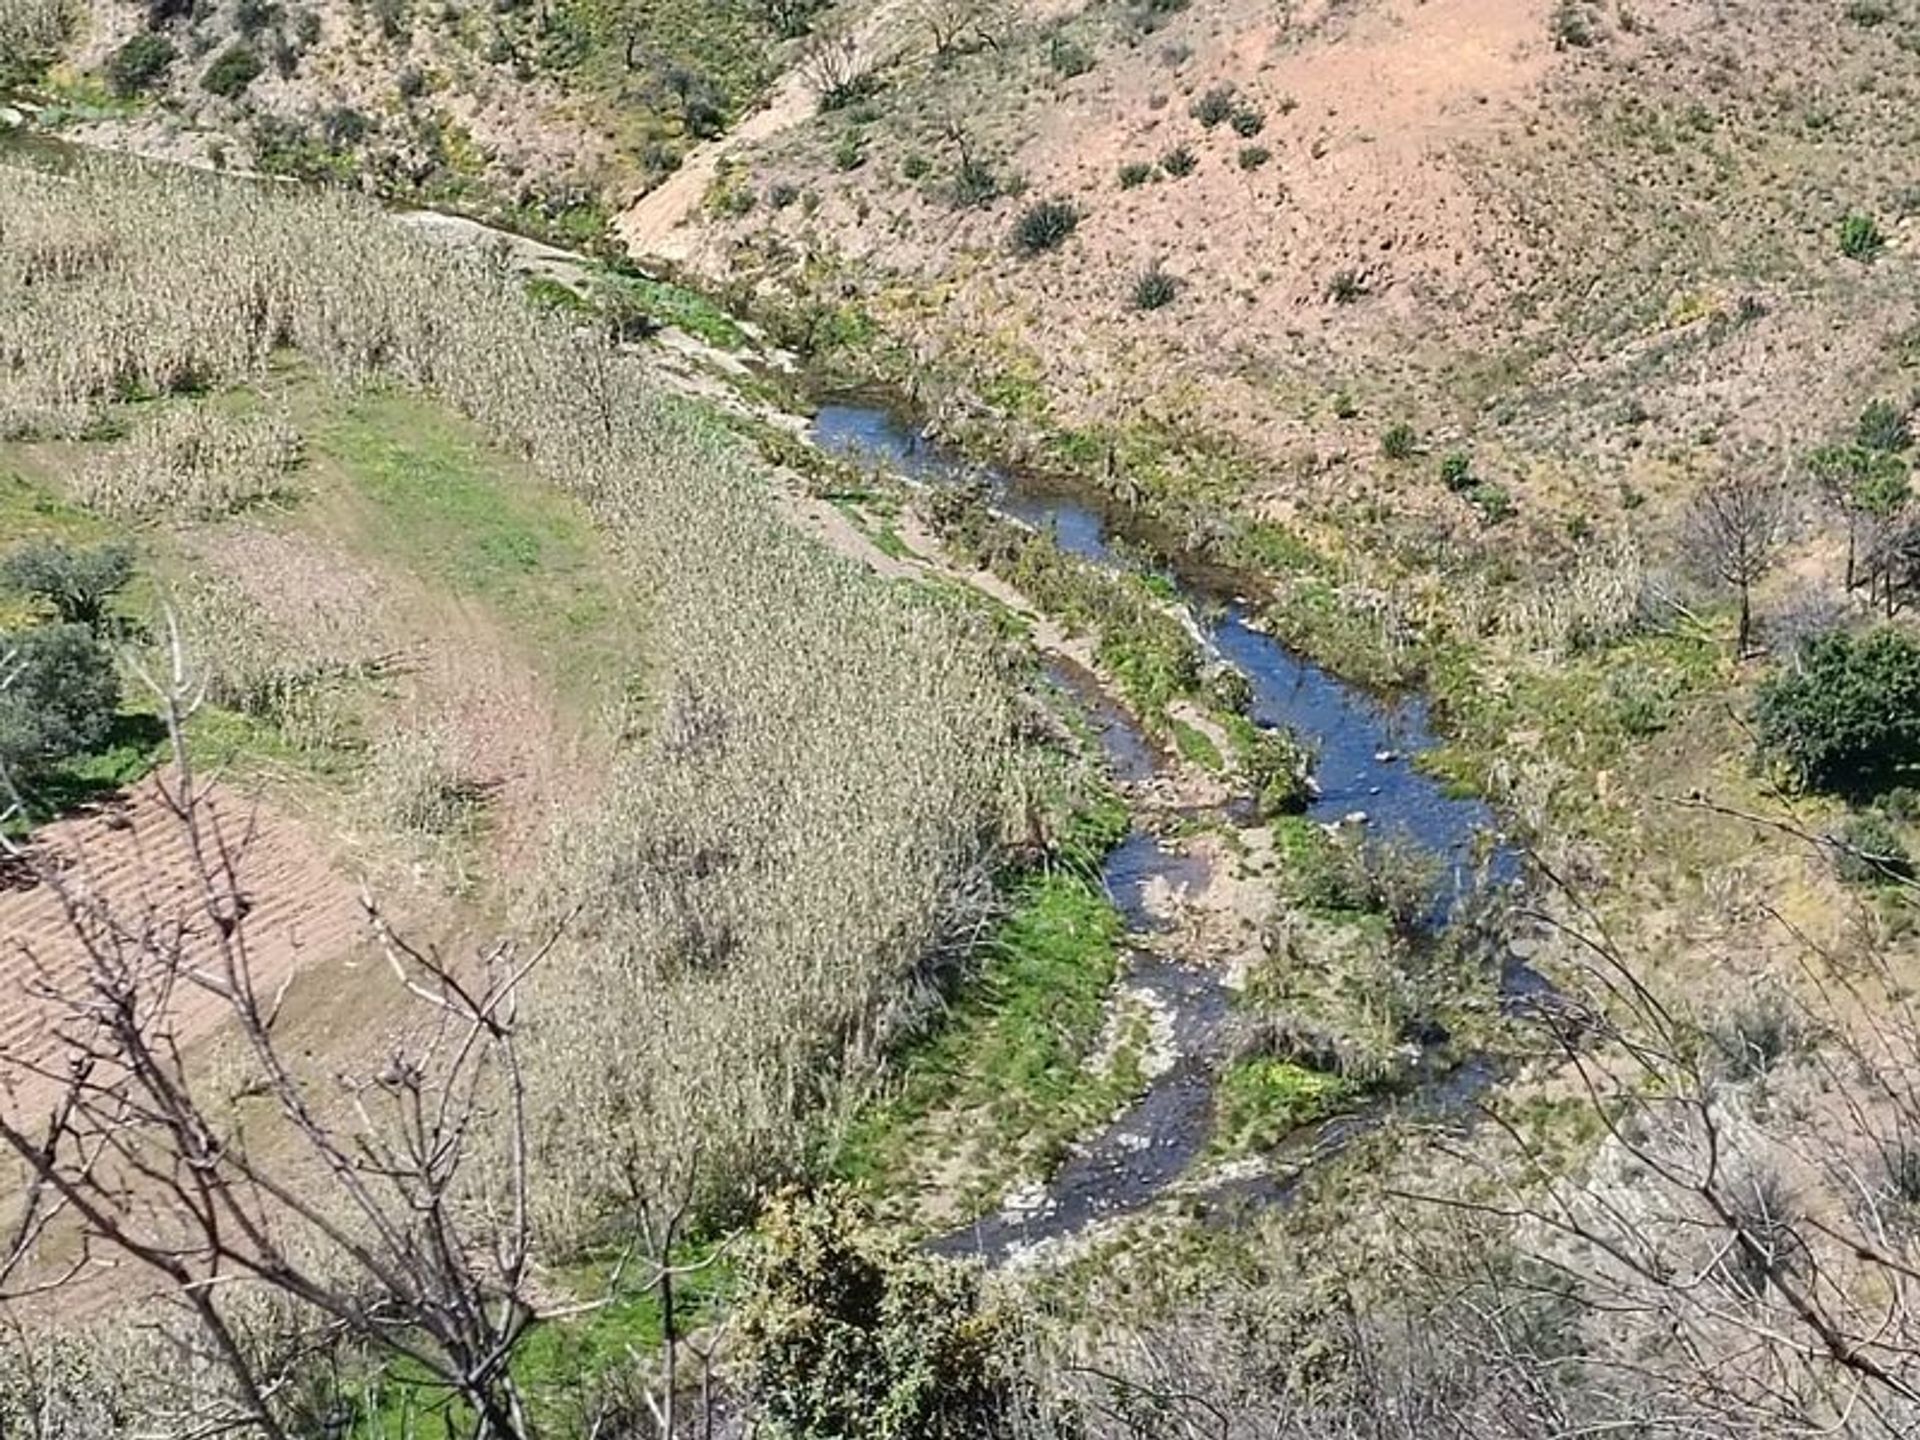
(134,856)
(1596,247)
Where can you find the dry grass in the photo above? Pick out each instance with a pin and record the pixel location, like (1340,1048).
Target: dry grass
(192,463)
(755,906)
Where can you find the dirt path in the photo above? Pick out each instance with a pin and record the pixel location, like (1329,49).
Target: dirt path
(657,225)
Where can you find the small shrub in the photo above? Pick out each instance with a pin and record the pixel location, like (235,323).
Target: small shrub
(1068,58)
(1347,287)
(915,166)
(782,193)
(1456,471)
(850,152)
(1135,173)
(411,83)
(1399,441)
(975,183)
(1247,122)
(1345,407)
(1755,1033)
(232,72)
(77,585)
(1213,107)
(1252,157)
(1861,237)
(1044,226)
(1154,288)
(1869,851)
(1868,14)
(1571,26)
(1492,501)
(140,64)
(1279,771)
(1883,426)
(1180,162)
(61,700)
(414,785)
(250,17)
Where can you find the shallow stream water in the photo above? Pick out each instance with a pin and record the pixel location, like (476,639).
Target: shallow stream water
(1365,743)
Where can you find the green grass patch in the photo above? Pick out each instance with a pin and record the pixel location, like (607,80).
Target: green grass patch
(450,509)
(1196,745)
(1260,1102)
(1006,1070)
(674,305)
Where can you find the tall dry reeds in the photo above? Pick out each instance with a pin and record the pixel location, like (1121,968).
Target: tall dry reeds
(759,894)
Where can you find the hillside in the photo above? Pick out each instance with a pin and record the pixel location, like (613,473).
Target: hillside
(959,720)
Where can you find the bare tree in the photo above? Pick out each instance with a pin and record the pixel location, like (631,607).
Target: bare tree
(1735,529)
(392,1209)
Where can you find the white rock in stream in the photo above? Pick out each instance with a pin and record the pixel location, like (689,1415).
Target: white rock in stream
(1025,1201)
(10,118)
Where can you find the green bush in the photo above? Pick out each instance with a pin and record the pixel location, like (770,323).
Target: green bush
(1869,851)
(1068,58)
(1044,226)
(1346,287)
(850,153)
(915,166)
(1247,122)
(1456,471)
(60,699)
(975,183)
(1252,157)
(1399,441)
(140,64)
(1180,162)
(1135,173)
(1154,288)
(1861,237)
(1847,717)
(232,71)
(1492,501)
(1279,769)
(845,1332)
(1883,427)
(1213,107)
(77,585)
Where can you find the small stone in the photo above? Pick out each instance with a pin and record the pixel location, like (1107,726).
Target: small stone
(1385,757)
(10,118)
(1354,817)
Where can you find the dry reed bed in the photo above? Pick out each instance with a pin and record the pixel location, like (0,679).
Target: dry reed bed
(759,896)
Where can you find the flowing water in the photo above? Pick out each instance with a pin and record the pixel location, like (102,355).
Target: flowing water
(1364,743)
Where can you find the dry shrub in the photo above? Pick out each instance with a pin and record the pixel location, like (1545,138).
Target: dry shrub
(758,897)
(414,783)
(29,32)
(252,666)
(192,463)
(1603,598)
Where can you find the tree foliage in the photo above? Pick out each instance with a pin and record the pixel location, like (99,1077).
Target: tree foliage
(1847,717)
(848,1332)
(78,585)
(59,692)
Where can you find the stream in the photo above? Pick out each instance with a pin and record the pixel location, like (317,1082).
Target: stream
(1364,742)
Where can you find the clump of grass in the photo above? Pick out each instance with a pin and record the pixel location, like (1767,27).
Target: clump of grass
(1399,441)
(1262,1101)
(1252,157)
(1180,162)
(1755,1033)
(1861,237)
(1456,471)
(1213,107)
(1135,173)
(1247,122)
(1347,287)
(1154,288)
(1044,225)
(192,462)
